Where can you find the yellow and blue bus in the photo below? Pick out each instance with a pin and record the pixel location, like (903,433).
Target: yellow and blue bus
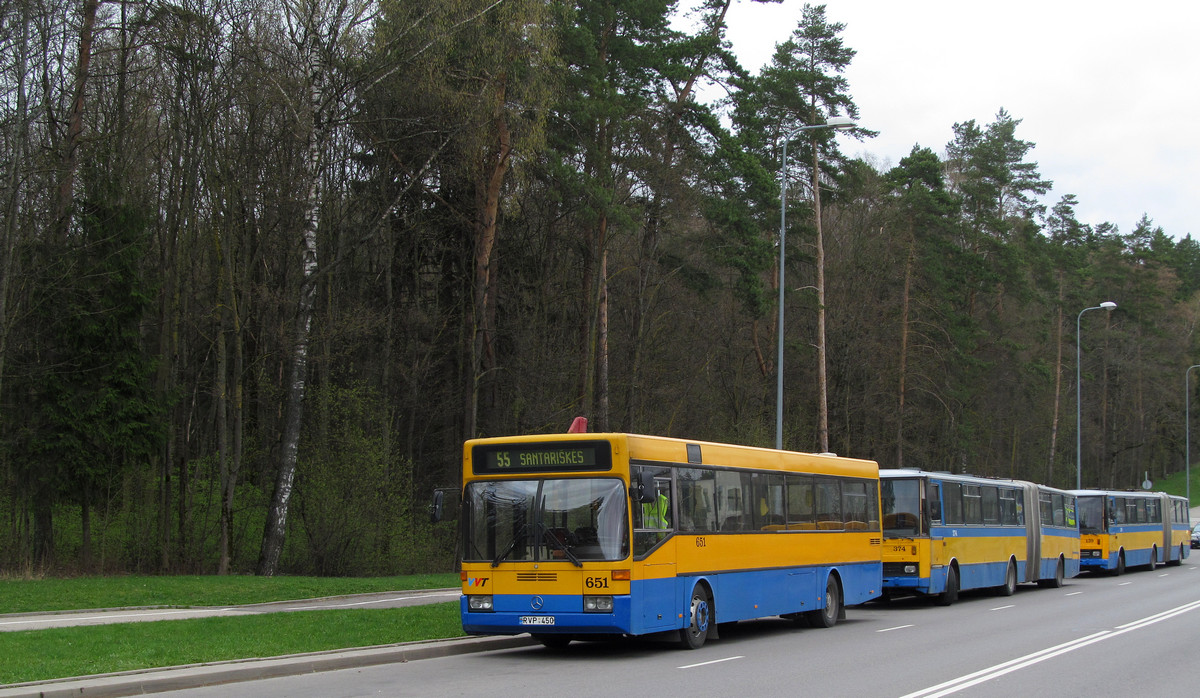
(1131,529)
(573,536)
(946,533)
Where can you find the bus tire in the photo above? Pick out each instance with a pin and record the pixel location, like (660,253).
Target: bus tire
(692,636)
(1120,564)
(950,594)
(1179,560)
(1153,559)
(1057,581)
(1009,587)
(827,617)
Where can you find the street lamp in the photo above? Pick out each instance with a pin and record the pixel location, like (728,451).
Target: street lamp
(1106,305)
(1187,432)
(834,122)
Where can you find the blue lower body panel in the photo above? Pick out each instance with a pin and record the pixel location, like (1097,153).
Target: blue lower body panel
(656,605)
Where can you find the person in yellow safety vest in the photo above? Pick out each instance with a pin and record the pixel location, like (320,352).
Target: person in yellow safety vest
(654,514)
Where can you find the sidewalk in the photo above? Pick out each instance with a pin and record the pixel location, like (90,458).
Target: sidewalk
(194,676)
(102,616)
(141,681)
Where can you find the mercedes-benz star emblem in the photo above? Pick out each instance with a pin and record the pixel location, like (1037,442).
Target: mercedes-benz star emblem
(536,603)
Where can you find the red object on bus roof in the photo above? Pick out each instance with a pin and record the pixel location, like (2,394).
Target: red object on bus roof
(578,426)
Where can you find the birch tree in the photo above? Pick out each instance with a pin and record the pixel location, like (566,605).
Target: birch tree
(316,42)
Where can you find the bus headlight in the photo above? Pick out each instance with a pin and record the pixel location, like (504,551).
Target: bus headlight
(910,569)
(597,604)
(480,603)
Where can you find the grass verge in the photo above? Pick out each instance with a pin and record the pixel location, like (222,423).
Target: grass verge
(39,655)
(35,595)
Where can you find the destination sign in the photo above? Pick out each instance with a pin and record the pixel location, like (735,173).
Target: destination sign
(529,458)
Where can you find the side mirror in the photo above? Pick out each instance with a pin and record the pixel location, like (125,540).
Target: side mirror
(643,490)
(435,507)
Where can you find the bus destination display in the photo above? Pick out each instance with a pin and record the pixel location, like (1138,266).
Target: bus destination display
(541,457)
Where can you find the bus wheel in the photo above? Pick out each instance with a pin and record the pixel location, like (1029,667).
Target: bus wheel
(1153,558)
(1009,587)
(1120,564)
(1179,560)
(1057,581)
(553,642)
(950,595)
(692,637)
(827,617)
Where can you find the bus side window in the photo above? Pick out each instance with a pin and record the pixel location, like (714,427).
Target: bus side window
(829,505)
(1116,510)
(801,514)
(934,498)
(952,503)
(874,521)
(696,511)
(972,504)
(1060,514)
(991,504)
(1009,507)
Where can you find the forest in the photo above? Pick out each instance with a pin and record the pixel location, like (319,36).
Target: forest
(266,264)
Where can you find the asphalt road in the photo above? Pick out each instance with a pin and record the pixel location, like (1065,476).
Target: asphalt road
(1097,636)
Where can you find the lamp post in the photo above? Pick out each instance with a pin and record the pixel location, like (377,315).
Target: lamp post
(835,122)
(1187,432)
(1106,305)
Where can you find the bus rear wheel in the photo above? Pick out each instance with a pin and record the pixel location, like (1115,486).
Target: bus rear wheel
(1153,558)
(1009,587)
(1057,581)
(693,636)
(827,617)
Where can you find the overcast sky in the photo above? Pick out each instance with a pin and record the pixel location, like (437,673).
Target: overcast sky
(1108,92)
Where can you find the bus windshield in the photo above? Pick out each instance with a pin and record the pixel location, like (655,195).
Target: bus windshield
(570,520)
(1091,514)
(901,507)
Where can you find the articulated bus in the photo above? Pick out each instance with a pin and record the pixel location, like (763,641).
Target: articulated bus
(1128,529)
(945,533)
(576,536)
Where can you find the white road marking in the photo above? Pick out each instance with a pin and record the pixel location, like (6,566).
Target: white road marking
(715,661)
(898,627)
(962,682)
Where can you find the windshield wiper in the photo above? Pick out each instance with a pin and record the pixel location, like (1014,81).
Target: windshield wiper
(511,546)
(546,533)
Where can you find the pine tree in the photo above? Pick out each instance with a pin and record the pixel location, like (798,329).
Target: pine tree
(804,85)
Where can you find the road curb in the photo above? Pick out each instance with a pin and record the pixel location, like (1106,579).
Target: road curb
(196,675)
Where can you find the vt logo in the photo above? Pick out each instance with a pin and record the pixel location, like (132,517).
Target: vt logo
(477,582)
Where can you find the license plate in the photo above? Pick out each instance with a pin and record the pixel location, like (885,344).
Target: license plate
(537,620)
